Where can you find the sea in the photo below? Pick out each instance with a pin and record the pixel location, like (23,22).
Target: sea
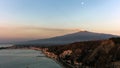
(25,58)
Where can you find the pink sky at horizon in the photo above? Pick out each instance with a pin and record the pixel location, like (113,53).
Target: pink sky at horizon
(27,33)
(32,32)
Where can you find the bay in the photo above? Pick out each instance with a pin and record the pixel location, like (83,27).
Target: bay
(25,58)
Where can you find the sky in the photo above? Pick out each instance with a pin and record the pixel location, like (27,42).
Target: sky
(33,19)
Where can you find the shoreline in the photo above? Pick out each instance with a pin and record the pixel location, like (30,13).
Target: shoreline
(61,65)
(37,49)
(56,62)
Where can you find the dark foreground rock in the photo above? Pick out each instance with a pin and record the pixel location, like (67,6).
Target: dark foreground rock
(89,54)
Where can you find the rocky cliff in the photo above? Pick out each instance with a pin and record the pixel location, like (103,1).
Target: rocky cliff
(95,54)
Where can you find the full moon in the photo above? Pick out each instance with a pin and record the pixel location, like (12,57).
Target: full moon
(82,3)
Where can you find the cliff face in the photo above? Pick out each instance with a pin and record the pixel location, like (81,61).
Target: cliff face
(99,54)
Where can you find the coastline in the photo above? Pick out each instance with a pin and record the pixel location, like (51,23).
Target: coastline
(55,58)
(61,65)
(36,49)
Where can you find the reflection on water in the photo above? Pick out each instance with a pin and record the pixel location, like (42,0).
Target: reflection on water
(23,58)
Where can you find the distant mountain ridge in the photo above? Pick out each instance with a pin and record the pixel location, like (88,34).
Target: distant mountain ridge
(70,38)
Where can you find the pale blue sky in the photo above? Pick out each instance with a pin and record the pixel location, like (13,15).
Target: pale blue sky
(50,13)
(94,15)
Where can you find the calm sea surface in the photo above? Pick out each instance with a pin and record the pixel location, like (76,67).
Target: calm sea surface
(24,58)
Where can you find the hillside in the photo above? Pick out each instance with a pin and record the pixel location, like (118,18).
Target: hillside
(70,38)
(95,54)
